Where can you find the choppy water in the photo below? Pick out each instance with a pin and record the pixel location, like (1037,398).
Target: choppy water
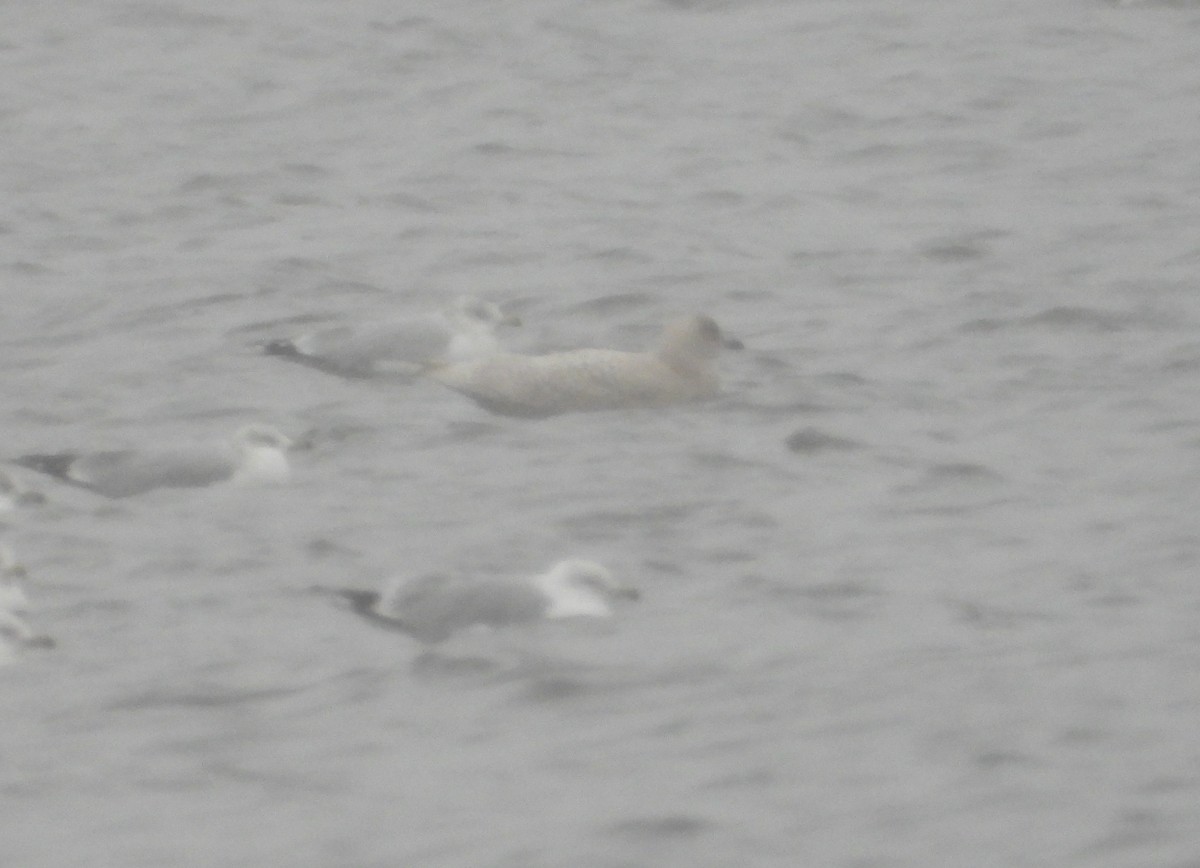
(920,589)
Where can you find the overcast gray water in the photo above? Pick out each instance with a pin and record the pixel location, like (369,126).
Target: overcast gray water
(920,588)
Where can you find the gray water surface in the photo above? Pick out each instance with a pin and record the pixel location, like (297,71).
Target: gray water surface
(919,589)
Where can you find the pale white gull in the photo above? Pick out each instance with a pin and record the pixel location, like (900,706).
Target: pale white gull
(256,454)
(15,632)
(466,330)
(433,608)
(681,369)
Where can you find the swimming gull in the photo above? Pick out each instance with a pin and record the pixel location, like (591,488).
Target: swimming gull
(466,330)
(255,454)
(680,369)
(15,632)
(432,608)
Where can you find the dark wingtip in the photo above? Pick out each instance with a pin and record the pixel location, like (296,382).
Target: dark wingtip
(365,605)
(285,349)
(58,464)
(281,347)
(362,602)
(733,344)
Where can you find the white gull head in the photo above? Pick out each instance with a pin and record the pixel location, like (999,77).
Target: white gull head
(690,342)
(262,454)
(472,329)
(580,588)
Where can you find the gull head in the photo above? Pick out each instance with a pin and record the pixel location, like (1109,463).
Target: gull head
(469,309)
(579,587)
(692,340)
(262,454)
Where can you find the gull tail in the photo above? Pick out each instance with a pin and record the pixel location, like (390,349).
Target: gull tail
(364,604)
(284,348)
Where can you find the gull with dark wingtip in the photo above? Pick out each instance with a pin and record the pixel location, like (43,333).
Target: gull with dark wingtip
(465,330)
(255,454)
(432,608)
